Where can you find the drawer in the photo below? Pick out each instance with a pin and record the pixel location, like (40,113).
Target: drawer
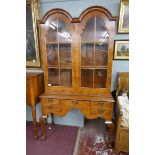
(50,101)
(106,105)
(75,103)
(51,109)
(96,111)
(100,110)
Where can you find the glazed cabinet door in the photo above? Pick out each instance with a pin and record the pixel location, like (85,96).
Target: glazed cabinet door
(59,54)
(95,56)
(58,64)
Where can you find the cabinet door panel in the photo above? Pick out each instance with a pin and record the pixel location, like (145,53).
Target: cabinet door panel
(51,35)
(100,77)
(66,77)
(52,54)
(65,55)
(86,78)
(87,55)
(53,77)
(89,34)
(101,54)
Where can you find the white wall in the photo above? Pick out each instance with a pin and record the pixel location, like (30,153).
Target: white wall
(75,7)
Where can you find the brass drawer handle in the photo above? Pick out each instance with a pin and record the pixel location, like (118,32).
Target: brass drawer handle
(50,100)
(100,111)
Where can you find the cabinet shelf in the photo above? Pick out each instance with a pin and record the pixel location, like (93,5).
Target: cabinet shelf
(57,42)
(93,67)
(104,43)
(61,67)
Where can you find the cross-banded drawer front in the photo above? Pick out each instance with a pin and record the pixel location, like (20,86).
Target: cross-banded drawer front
(101,112)
(105,105)
(75,103)
(96,111)
(50,105)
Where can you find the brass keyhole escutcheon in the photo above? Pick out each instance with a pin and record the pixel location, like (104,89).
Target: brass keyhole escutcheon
(100,111)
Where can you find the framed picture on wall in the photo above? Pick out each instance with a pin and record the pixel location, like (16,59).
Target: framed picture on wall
(32,43)
(121,50)
(123,23)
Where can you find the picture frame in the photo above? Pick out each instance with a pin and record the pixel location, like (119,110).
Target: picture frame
(121,50)
(123,23)
(32,34)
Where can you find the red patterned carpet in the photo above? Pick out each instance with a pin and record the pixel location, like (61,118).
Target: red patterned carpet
(94,140)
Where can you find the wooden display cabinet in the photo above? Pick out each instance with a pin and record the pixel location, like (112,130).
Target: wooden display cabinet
(77,62)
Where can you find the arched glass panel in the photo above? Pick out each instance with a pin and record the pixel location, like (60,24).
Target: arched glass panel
(94,54)
(59,58)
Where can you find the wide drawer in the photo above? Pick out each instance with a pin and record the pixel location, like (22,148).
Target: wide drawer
(106,105)
(75,103)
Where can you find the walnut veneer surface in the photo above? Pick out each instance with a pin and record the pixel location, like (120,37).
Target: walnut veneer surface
(122,133)
(77,63)
(34,88)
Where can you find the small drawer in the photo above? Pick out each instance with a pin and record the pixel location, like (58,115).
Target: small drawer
(96,111)
(106,105)
(50,101)
(51,109)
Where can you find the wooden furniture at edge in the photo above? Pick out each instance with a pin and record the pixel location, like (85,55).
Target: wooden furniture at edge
(34,88)
(77,62)
(122,133)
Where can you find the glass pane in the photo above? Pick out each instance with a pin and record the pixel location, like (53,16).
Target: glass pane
(53,76)
(66,77)
(52,54)
(65,55)
(86,78)
(87,54)
(100,78)
(88,33)
(101,54)
(63,33)
(101,31)
(51,35)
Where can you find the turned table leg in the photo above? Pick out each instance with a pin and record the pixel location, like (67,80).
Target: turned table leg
(34,122)
(43,126)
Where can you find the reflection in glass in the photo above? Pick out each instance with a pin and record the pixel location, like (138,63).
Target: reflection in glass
(86,78)
(101,30)
(88,34)
(101,54)
(65,55)
(100,78)
(63,33)
(53,76)
(52,54)
(51,35)
(87,54)
(66,77)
